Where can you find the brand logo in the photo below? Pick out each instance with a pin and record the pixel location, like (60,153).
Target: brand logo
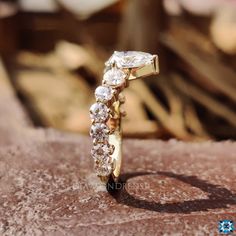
(226,226)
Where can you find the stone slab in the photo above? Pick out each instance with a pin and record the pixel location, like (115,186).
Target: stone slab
(169,188)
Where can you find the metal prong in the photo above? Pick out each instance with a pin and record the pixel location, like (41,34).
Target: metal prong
(121,98)
(112,149)
(156,64)
(95,142)
(146,70)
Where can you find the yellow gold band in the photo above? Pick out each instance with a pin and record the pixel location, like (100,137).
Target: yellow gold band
(106,114)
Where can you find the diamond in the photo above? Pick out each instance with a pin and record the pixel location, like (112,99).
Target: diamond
(99,112)
(114,77)
(103,170)
(101,152)
(130,59)
(99,132)
(103,93)
(103,159)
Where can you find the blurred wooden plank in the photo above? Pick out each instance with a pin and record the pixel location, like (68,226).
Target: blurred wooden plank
(141,25)
(11,113)
(56,98)
(199,60)
(205,99)
(142,129)
(170,120)
(59,70)
(8,27)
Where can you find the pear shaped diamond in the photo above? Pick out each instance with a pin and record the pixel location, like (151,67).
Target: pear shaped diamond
(130,59)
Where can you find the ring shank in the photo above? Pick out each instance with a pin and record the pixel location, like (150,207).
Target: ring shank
(151,67)
(115,139)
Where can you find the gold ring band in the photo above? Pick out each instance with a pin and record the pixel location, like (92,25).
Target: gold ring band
(106,113)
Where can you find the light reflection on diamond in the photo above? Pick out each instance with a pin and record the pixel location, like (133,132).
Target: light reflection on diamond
(103,170)
(99,132)
(130,59)
(101,152)
(103,93)
(114,77)
(98,112)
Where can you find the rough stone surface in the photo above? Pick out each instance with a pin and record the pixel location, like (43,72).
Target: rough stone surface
(48,187)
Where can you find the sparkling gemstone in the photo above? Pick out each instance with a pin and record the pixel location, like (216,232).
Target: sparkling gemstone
(114,77)
(103,93)
(99,112)
(102,152)
(103,170)
(102,160)
(99,131)
(130,59)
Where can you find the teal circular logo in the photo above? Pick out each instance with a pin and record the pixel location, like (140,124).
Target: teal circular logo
(226,226)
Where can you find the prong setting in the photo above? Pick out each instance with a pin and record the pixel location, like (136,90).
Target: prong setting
(106,113)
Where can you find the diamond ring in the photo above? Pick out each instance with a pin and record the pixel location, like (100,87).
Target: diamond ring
(106,114)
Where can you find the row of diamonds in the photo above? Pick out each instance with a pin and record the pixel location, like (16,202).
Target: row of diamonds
(100,113)
(101,151)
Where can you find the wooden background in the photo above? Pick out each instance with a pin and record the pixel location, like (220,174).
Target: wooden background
(55,60)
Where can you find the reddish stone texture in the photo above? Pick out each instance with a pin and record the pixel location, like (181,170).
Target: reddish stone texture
(48,188)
